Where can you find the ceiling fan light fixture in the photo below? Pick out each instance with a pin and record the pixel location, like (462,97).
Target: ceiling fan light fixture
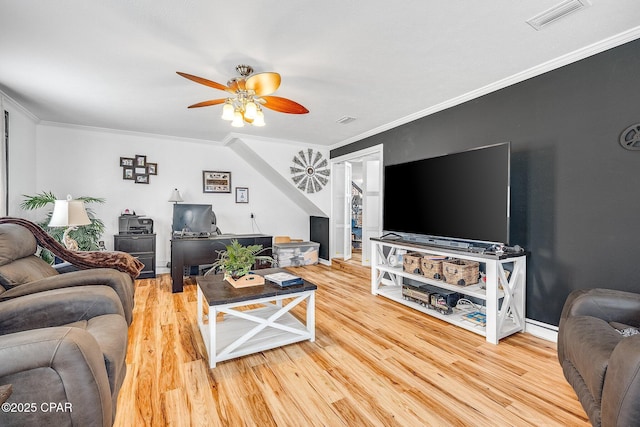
(228,110)
(249,93)
(259,119)
(238,121)
(250,110)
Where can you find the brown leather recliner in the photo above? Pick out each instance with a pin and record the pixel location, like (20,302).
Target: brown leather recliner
(599,352)
(23,273)
(63,351)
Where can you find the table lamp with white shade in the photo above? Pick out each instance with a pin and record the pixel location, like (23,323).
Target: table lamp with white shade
(175,196)
(69,213)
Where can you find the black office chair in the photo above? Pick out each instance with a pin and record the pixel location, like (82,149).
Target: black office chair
(214,228)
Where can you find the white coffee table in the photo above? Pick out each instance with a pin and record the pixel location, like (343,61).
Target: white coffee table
(241,332)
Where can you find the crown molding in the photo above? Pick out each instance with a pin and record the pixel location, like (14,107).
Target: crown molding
(561,61)
(128,132)
(7,100)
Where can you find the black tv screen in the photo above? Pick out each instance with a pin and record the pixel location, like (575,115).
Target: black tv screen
(461,196)
(192,218)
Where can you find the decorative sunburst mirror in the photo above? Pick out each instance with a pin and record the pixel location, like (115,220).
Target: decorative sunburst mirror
(310,171)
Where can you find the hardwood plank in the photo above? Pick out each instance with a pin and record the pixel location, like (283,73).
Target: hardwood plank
(374,363)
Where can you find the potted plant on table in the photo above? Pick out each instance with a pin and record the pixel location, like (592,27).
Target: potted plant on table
(236,262)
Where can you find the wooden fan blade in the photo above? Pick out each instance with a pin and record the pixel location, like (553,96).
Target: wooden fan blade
(283,105)
(263,83)
(208,103)
(205,82)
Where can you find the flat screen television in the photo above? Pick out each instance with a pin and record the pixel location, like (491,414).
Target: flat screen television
(460,196)
(192,218)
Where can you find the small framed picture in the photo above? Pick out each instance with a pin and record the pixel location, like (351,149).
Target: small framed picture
(216,182)
(141,178)
(126,162)
(242,195)
(141,161)
(127,173)
(152,169)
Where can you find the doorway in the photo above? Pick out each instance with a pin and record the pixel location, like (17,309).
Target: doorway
(356,203)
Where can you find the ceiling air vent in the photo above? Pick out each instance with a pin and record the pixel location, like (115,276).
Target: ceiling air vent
(556,12)
(345,119)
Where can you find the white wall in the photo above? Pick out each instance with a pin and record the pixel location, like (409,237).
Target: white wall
(280,156)
(22,156)
(85,162)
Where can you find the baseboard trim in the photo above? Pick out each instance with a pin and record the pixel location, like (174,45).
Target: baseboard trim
(541,330)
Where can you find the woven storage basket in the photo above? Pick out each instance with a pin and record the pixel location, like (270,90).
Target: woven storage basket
(411,262)
(460,272)
(431,266)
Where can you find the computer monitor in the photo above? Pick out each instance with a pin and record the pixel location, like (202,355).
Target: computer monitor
(192,218)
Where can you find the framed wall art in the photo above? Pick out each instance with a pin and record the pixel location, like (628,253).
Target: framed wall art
(216,182)
(137,169)
(141,161)
(141,178)
(242,195)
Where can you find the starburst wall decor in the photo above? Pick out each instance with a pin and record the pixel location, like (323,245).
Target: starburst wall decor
(310,172)
(630,138)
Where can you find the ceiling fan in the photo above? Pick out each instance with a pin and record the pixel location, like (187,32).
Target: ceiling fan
(249,93)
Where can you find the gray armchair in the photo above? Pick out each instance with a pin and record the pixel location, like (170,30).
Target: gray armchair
(63,347)
(23,273)
(600,354)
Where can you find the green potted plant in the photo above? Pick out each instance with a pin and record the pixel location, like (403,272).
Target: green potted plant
(87,236)
(236,261)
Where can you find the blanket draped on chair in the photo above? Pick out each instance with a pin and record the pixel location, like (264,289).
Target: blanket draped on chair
(121,261)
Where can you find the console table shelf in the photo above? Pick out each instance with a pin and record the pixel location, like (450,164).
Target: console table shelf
(502,297)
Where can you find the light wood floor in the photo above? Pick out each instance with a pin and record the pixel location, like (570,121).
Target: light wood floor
(374,363)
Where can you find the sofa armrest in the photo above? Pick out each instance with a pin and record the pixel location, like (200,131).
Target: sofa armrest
(57,307)
(117,280)
(64,267)
(621,391)
(606,304)
(55,365)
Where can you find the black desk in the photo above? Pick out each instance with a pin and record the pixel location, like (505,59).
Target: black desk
(198,251)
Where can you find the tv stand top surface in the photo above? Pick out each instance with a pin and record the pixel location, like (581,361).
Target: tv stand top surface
(476,251)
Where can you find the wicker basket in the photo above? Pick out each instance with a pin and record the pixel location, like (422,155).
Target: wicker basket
(411,262)
(431,266)
(460,272)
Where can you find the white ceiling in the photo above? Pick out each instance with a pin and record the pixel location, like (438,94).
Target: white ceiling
(112,64)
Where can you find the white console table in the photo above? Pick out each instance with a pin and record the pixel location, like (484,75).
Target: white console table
(249,331)
(503,295)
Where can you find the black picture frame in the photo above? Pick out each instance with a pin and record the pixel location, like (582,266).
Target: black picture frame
(152,169)
(242,195)
(216,182)
(127,162)
(128,173)
(141,161)
(141,178)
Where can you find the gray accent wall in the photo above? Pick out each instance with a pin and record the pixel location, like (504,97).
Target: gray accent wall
(575,196)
